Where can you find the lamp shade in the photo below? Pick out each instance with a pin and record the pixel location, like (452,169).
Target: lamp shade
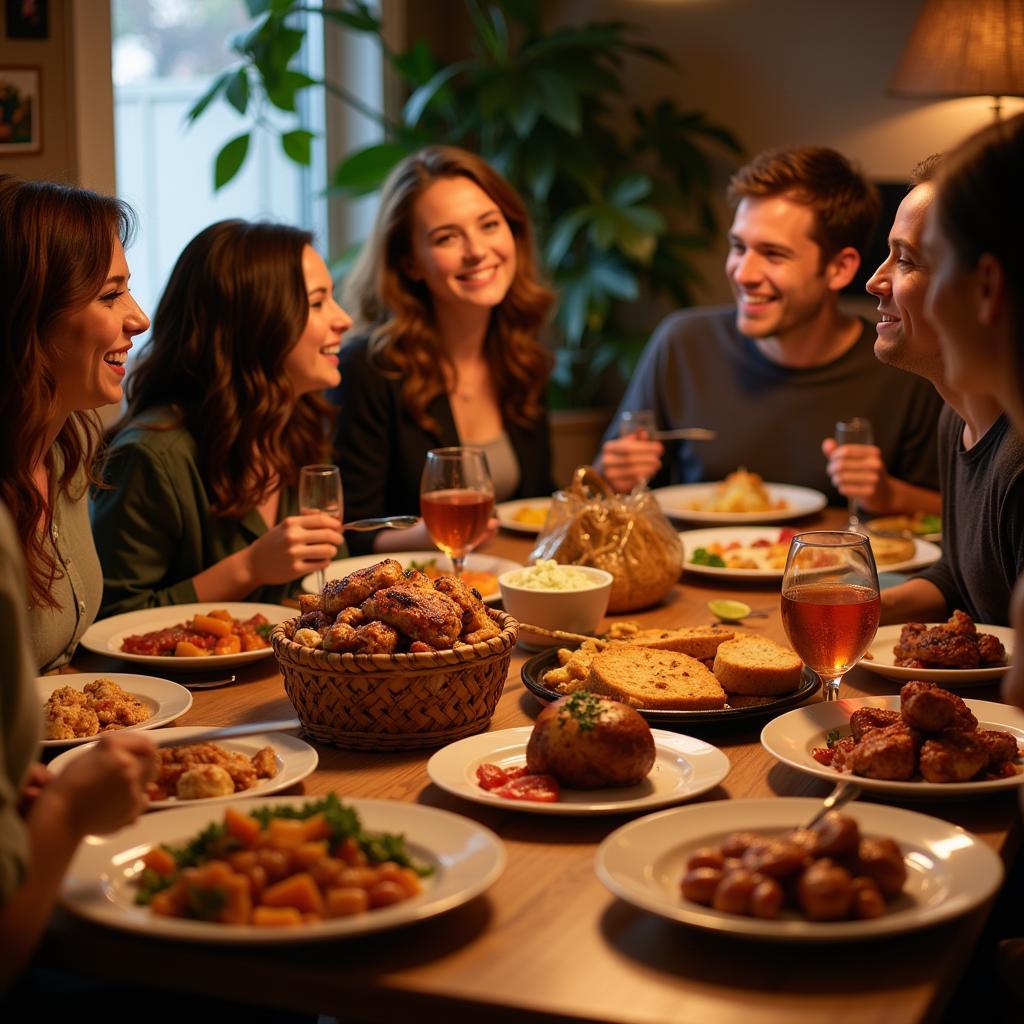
(964,48)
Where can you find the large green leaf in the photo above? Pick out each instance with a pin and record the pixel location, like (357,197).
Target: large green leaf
(560,99)
(208,97)
(366,169)
(229,160)
(629,189)
(283,93)
(563,234)
(237,92)
(359,20)
(298,145)
(420,99)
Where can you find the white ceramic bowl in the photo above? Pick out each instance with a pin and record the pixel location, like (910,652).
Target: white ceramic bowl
(575,611)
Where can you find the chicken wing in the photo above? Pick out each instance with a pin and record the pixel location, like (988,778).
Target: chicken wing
(425,615)
(955,757)
(865,719)
(355,588)
(930,708)
(884,754)
(477,624)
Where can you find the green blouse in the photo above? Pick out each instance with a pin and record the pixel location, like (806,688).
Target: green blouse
(153,526)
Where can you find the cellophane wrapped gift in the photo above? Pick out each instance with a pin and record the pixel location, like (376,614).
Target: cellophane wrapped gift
(627,535)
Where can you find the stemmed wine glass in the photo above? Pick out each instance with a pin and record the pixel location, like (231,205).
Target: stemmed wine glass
(320,491)
(640,423)
(830,602)
(456,500)
(855,431)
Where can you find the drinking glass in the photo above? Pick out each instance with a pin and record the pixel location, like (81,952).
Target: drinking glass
(855,431)
(830,602)
(640,423)
(456,500)
(320,491)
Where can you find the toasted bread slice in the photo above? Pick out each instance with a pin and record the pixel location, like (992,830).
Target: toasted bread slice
(891,550)
(758,666)
(654,679)
(700,642)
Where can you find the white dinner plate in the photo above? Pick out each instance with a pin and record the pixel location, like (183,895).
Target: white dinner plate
(791,737)
(949,871)
(677,502)
(506,511)
(924,552)
(165,700)
(475,562)
(684,767)
(882,660)
(466,857)
(295,760)
(107,635)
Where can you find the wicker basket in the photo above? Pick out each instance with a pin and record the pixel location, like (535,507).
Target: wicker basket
(395,701)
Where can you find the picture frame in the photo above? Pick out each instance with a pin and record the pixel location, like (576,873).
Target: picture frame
(28,19)
(20,111)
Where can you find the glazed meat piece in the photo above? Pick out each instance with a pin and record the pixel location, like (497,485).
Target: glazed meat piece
(350,617)
(955,644)
(426,615)
(961,623)
(341,637)
(865,719)
(956,757)
(1001,747)
(930,708)
(377,638)
(419,579)
(355,588)
(884,754)
(842,752)
(990,650)
(477,624)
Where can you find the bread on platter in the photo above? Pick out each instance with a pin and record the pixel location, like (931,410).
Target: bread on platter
(654,679)
(758,666)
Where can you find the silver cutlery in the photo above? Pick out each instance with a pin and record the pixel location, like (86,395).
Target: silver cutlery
(840,796)
(228,732)
(208,684)
(381,523)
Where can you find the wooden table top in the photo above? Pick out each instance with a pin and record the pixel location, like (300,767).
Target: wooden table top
(548,941)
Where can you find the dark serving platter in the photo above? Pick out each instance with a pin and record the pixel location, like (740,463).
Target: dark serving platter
(535,667)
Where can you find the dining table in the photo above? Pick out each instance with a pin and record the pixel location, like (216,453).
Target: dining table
(548,941)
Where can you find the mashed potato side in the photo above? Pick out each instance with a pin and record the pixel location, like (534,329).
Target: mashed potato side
(547,574)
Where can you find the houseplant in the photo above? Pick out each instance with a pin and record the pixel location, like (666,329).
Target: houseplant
(621,197)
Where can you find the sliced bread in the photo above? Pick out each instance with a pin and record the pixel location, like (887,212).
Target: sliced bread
(654,679)
(701,642)
(758,666)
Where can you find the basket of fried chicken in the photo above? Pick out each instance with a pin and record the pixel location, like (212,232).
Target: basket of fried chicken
(385,659)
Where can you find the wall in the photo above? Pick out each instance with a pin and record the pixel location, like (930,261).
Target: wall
(779,72)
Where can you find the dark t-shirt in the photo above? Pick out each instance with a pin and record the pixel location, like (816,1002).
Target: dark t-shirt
(699,371)
(982,519)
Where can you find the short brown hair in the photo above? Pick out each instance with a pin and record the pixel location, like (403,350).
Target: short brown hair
(845,204)
(925,170)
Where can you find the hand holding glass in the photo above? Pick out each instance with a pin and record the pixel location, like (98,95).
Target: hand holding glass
(456,500)
(830,602)
(320,491)
(855,431)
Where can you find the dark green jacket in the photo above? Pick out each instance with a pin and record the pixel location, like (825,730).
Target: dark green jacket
(153,528)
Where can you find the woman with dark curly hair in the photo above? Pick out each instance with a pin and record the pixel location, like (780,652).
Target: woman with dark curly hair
(223,410)
(68,320)
(449,302)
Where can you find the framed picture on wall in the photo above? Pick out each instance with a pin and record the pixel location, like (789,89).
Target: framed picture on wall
(27,19)
(20,111)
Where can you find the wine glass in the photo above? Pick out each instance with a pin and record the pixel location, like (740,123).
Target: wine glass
(855,431)
(456,500)
(641,423)
(830,602)
(320,491)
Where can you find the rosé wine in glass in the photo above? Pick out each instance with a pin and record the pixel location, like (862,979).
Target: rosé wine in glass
(456,500)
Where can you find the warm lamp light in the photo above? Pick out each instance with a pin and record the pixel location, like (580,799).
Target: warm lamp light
(964,48)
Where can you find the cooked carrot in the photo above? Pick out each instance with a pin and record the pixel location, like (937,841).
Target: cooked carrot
(306,855)
(286,833)
(209,624)
(316,827)
(228,645)
(298,891)
(159,860)
(184,649)
(241,826)
(276,917)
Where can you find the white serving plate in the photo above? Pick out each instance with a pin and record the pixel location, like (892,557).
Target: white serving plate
(467,859)
(296,759)
(800,501)
(475,562)
(166,700)
(950,871)
(106,636)
(791,737)
(684,767)
(506,510)
(881,660)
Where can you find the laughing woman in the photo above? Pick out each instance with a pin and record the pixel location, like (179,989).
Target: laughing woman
(449,304)
(223,410)
(67,325)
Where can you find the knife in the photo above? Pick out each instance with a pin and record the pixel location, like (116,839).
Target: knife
(227,732)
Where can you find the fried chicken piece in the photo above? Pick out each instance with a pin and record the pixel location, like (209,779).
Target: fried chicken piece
(960,623)
(341,637)
(930,708)
(377,638)
(955,757)
(1001,747)
(865,719)
(204,781)
(350,617)
(307,638)
(419,579)
(265,762)
(67,696)
(477,624)
(421,614)
(990,650)
(842,751)
(68,722)
(318,620)
(886,753)
(309,603)
(355,588)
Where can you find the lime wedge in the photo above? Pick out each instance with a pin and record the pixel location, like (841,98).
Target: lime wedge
(729,611)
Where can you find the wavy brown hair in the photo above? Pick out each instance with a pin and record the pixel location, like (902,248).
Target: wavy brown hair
(398,310)
(845,204)
(235,305)
(56,244)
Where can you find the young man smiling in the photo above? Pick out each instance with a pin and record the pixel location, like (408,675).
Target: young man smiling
(774,373)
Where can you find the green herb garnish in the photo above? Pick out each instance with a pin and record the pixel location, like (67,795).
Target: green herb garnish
(585,707)
(832,737)
(704,557)
(265,630)
(206,904)
(929,524)
(427,563)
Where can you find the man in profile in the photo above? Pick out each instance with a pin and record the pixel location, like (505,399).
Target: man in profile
(981,456)
(773,374)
